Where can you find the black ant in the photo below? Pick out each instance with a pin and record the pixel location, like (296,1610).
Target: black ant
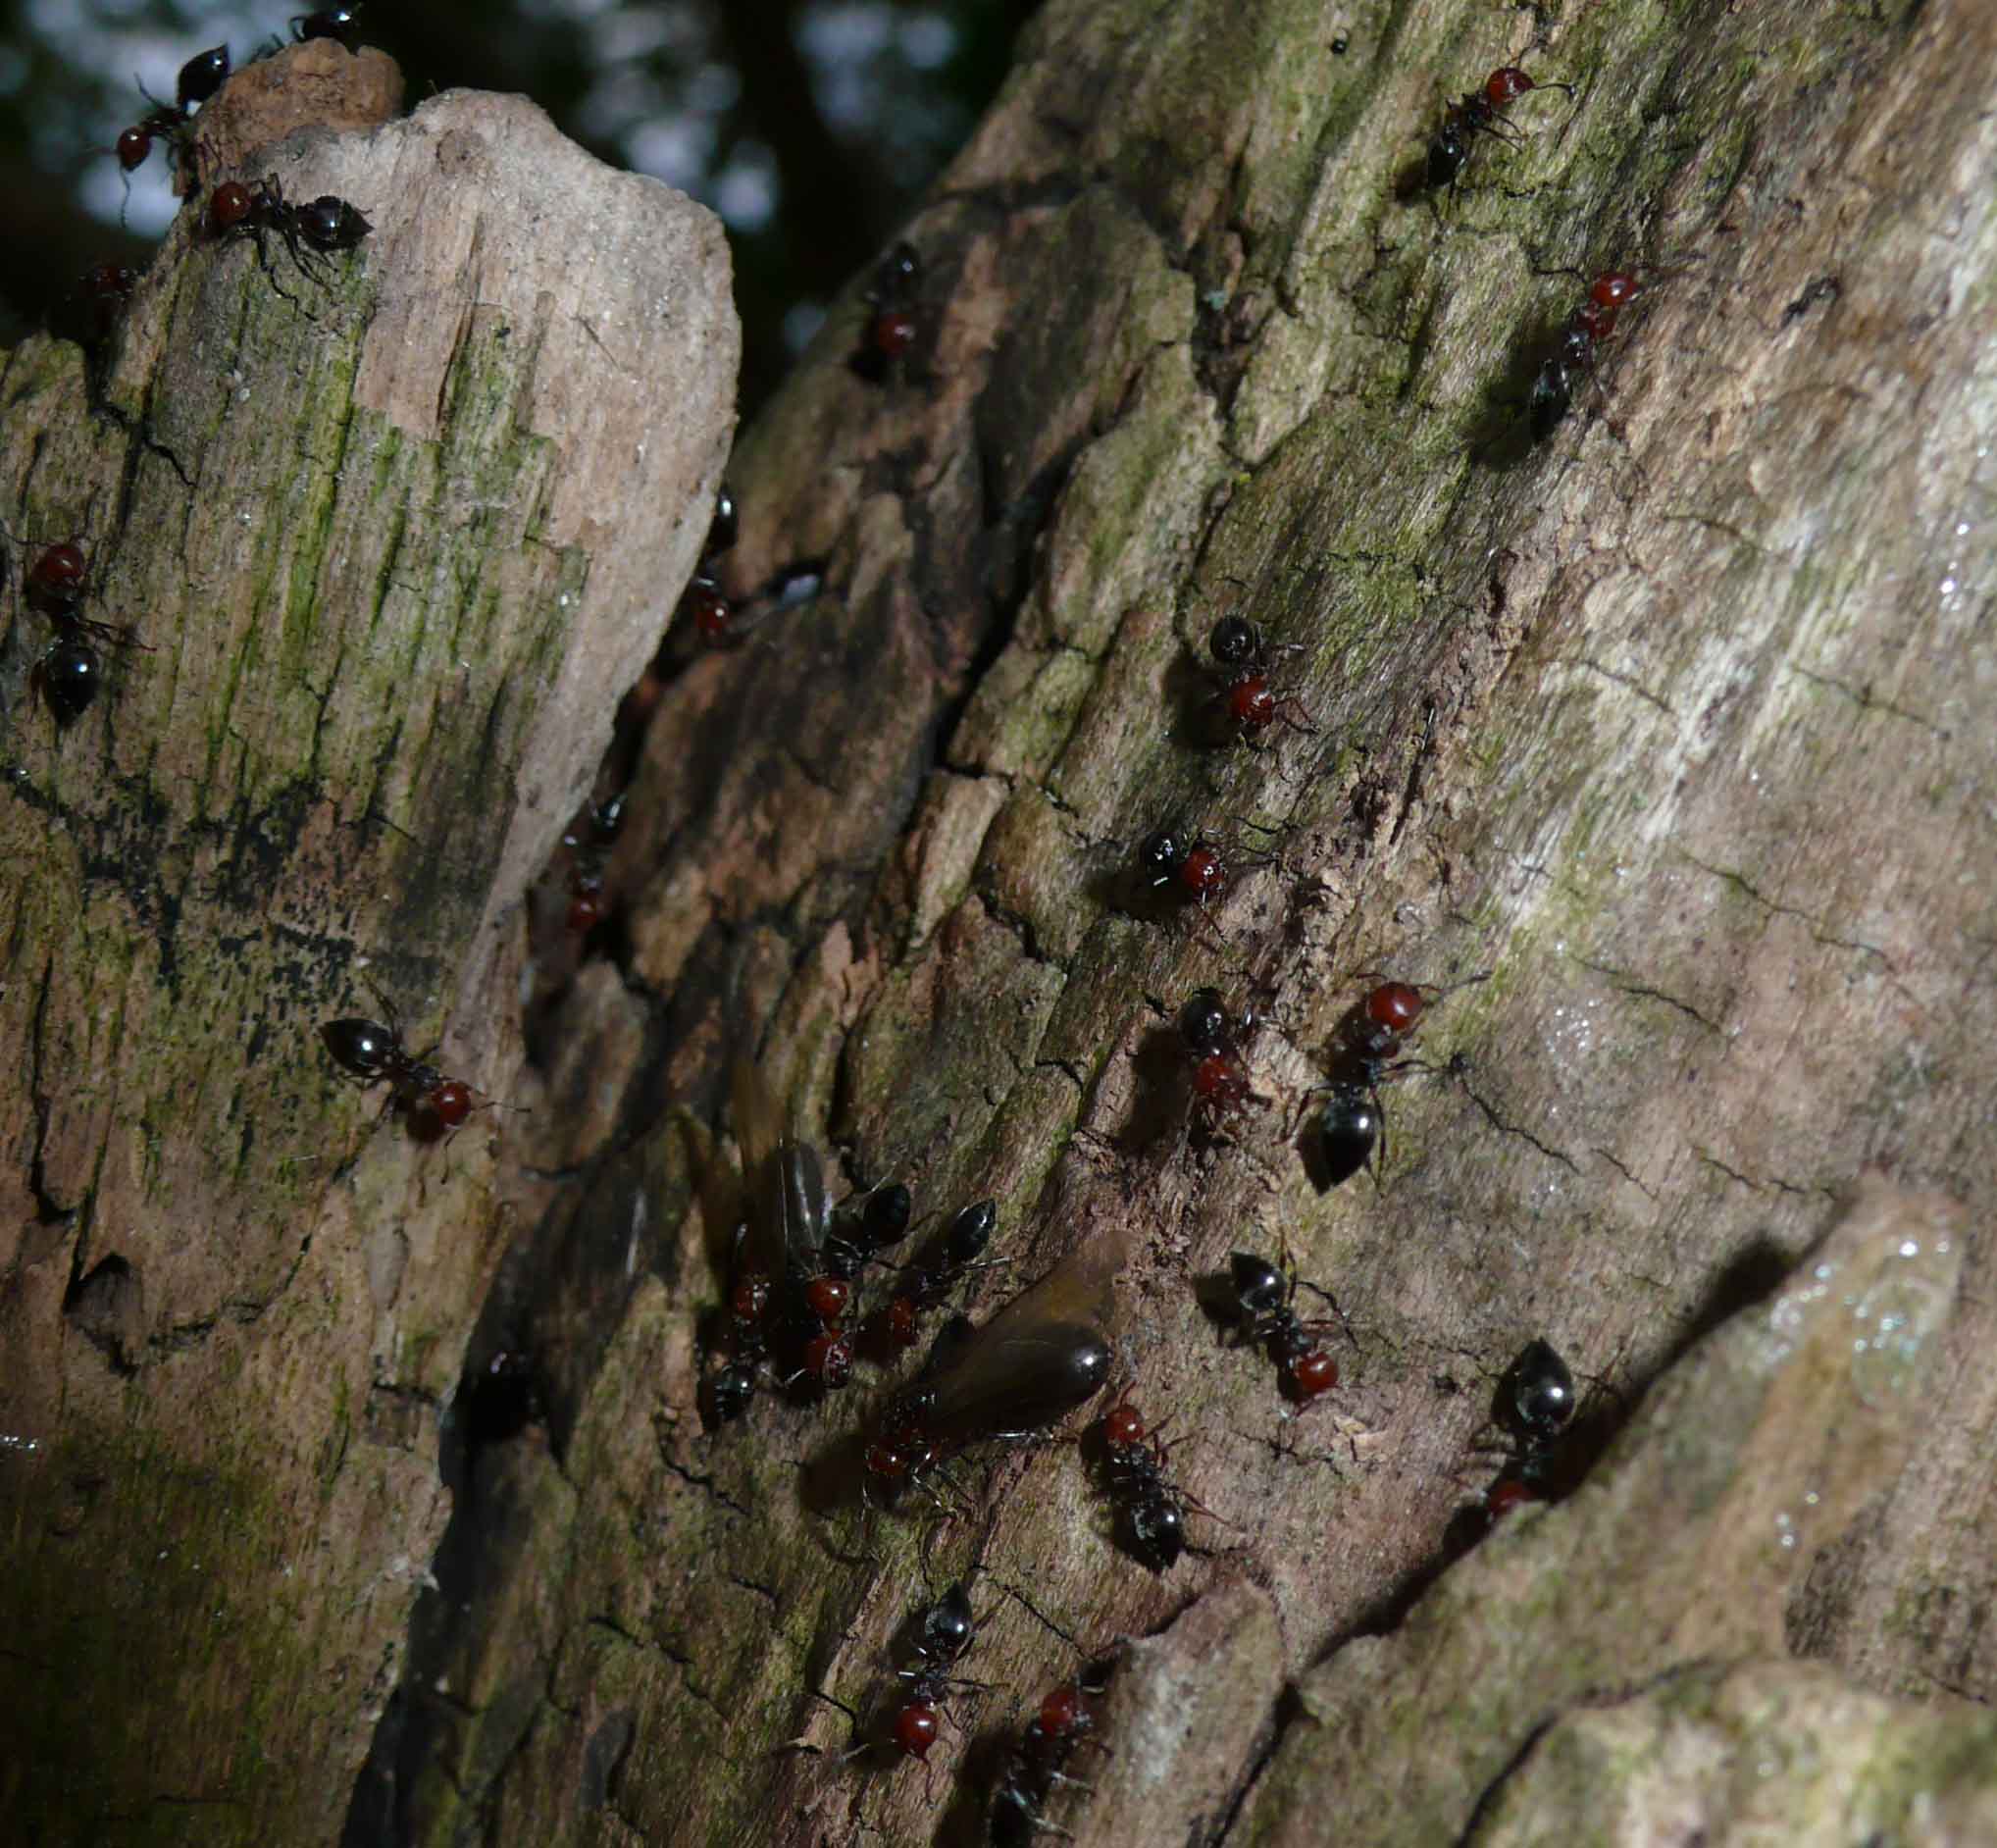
(1041,1355)
(339,24)
(588,850)
(1212,1037)
(1190,866)
(1553,385)
(892,328)
(924,1284)
(1151,1509)
(1247,702)
(1480,112)
(1535,1407)
(71,670)
(1262,1296)
(197,82)
(325,225)
(1066,1721)
(369,1052)
(1352,1124)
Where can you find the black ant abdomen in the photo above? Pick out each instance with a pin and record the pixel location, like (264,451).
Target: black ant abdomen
(200,77)
(71,673)
(340,23)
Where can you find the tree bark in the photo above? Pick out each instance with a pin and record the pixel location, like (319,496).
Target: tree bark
(393,539)
(1667,729)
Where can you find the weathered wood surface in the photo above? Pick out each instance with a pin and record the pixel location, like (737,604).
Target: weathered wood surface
(395,551)
(1679,727)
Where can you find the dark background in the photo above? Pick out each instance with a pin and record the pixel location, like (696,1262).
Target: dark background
(811,126)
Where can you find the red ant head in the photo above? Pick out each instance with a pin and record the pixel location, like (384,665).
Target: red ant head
(827,1297)
(1204,873)
(712,614)
(1505,86)
(1122,1427)
(1250,702)
(586,912)
(915,1729)
(1613,290)
(889,1462)
(829,1359)
(891,333)
(1394,1005)
(1219,1081)
(1313,1374)
(1065,1712)
(228,206)
(450,1103)
(751,1296)
(1509,1495)
(133,145)
(60,569)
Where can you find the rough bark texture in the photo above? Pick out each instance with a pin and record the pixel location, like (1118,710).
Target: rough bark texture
(1676,728)
(393,546)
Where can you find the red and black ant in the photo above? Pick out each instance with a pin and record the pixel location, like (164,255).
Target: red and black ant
(956,1250)
(197,81)
(324,226)
(1352,1124)
(1036,1360)
(1535,1407)
(892,328)
(71,670)
(1212,1037)
(1574,357)
(588,849)
(1480,112)
(1151,1509)
(1065,1722)
(370,1054)
(1247,703)
(1262,1300)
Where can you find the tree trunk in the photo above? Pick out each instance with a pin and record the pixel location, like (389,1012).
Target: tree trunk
(1665,729)
(393,541)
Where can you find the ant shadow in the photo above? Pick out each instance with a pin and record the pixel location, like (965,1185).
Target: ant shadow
(1500,437)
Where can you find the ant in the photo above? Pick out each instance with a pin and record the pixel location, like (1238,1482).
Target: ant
(339,24)
(102,294)
(1535,1407)
(924,1284)
(1573,356)
(1065,1722)
(325,225)
(369,1052)
(892,328)
(71,670)
(1352,1124)
(735,1385)
(1480,112)
(1212,1038)
(1151,1509)
(1262,1296)
(1041,1355)
(197,82)
(940,1636)
(586,855)
(1189,867)
(703,602)
(1242,660)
